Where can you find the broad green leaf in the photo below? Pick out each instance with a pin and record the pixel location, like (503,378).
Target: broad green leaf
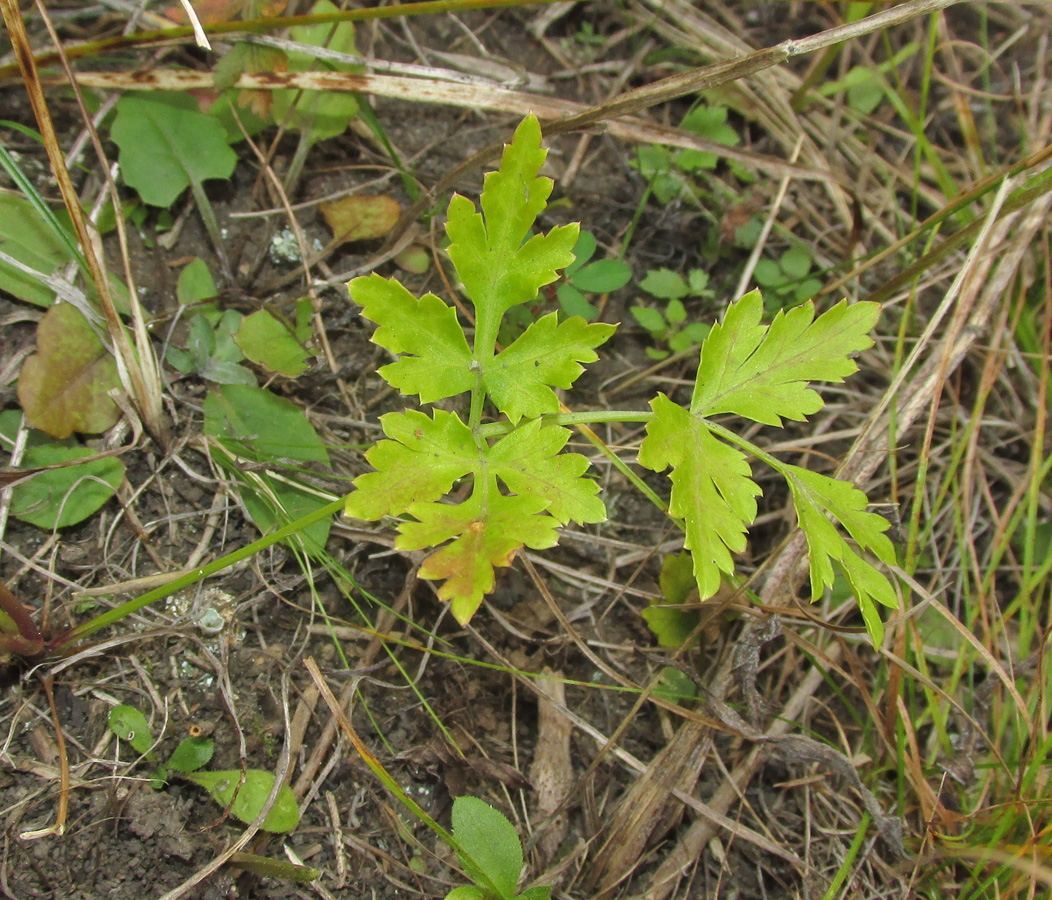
(467,892)
(423,459)
(710,123)
(275,503)
(664,284)
(768,274)
(815,498)
(499,270)
(267,342)
(670,622)
(195,283)
(326,113)
(491,845)
(796,262)
(62,497)
(528,461)
(247,801)
(437,361)
(675,312)
(167,144)
(191,754)
(28,238)
(763,372)
(486,531)
(699,281)
(712,489)
(129,724)
(548,354)
(64,386)
(573,303)
(583,250)
(651,319)
(537,892)
(602,276)
(254,422)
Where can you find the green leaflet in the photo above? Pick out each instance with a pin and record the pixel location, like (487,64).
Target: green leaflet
(712,489)
(547,354)
(498,270)
(435,361)
(421,462)
(763,373)
(815,497)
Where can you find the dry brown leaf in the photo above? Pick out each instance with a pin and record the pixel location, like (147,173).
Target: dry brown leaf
(360,218)
(64,386)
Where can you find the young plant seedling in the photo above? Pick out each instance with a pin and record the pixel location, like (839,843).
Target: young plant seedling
(490,853)
(520,484)
(583,277)
(244,799)
(786,281)
(672,175)
(671,327)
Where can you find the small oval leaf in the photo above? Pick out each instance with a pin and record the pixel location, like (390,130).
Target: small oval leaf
(191,754)
(246,801)
(130,725)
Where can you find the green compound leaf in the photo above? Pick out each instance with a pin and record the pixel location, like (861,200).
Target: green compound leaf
(815,498)
(763,372)
(427,329)
(498,270)
(246,800)
(166,144)
(492,852)
(548,354)
(486,530)
(528,461)
(421,463)
(712,489)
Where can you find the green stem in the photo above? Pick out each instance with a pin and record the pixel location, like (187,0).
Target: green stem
(184,581)
(208,216)
(598,417)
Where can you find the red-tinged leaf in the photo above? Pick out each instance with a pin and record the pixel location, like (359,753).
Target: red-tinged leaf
(64,387)
(487,530)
